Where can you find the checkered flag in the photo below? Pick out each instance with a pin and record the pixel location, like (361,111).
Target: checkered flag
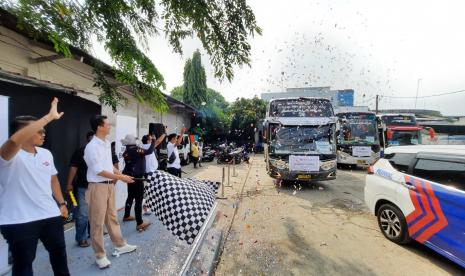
(182,205)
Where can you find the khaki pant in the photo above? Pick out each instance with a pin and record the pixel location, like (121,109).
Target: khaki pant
(102,210)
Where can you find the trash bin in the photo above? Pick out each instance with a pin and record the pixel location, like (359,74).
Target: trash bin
(5,268)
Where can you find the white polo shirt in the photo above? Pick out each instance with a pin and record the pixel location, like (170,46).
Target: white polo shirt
(172,148)
(26,187)
(151,162)
(98,158)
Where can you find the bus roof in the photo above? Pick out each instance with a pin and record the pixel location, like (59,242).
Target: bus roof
(397,114)
(356,112)
(299,98)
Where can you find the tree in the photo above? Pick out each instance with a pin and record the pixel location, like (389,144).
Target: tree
(245,114)
(222,26)
(215,98)
(214,119)
(195,81)
(178,93)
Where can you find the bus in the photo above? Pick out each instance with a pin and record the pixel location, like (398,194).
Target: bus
(359,140)
(401,129)
(300,139)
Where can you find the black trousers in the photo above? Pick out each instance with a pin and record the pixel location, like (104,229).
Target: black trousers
(23,238)
(195,160)
(135,191)
(174,171)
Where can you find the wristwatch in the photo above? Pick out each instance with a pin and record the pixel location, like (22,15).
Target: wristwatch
(64,203)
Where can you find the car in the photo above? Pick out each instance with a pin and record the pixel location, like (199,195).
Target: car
(418,193)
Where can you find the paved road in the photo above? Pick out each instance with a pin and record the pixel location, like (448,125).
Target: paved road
(158,253)
(320,229)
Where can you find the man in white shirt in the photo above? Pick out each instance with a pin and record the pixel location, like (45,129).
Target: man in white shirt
(174,167)
(151,162)
(100,194)
(29,192)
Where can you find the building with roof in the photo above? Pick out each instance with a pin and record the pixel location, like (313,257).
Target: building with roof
(32,73)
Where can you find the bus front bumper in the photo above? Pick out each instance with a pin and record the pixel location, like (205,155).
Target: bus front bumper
(329,173)
(347,159)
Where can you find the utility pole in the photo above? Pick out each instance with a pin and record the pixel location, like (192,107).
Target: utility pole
(418,88)
(377,100)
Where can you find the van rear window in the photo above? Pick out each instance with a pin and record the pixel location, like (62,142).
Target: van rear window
(400,161)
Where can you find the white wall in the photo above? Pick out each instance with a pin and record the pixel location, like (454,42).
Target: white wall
(15,54)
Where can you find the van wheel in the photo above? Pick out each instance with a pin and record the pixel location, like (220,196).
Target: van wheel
(392,223)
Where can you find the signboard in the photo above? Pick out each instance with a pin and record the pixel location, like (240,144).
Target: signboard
(3,119)
(304,163)
(361,151)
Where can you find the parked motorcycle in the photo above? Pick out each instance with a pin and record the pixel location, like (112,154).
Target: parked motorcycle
(228,153)
(208,154)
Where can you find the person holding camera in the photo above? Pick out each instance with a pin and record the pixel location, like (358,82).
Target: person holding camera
(135,166)
(174,162)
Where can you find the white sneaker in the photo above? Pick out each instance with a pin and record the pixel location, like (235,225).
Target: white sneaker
(127,248)
(103,262)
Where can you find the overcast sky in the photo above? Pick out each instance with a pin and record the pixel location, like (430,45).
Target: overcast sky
(373,47)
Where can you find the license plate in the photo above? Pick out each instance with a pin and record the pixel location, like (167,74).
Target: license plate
(304,176)
(361,162)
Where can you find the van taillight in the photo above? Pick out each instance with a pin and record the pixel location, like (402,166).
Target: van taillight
(371,170)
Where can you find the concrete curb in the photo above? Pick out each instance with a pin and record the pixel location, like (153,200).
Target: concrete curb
(206,258)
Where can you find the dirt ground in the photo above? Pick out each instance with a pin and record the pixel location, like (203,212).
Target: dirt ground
(319,229)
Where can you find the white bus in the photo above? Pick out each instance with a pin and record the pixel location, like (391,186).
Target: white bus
(300,139)
(359,139)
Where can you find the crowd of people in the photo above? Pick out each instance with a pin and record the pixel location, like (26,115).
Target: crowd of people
(32,206)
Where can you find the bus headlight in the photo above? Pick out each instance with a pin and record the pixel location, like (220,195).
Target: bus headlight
(328,165)
(279,164)
(342,154)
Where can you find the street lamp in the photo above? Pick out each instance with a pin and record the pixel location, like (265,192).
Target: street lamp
(418,89)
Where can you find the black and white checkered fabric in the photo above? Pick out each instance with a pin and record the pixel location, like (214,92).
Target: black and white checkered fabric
(181,204)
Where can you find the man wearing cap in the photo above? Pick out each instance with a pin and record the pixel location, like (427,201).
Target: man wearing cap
(134,158)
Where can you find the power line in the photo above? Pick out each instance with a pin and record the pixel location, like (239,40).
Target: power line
(428,96)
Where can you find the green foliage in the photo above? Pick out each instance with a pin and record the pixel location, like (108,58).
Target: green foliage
(214,98)
(195,81)
(214,120)
(245,114)
(223,27)
(177,93)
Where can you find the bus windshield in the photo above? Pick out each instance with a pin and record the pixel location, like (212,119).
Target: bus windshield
(399,120)
(301,108)
(358,129)
(403,138)
(307,139)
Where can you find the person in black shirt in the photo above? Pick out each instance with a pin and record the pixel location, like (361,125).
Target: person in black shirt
(114,157)
(134,158)
(77,181)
